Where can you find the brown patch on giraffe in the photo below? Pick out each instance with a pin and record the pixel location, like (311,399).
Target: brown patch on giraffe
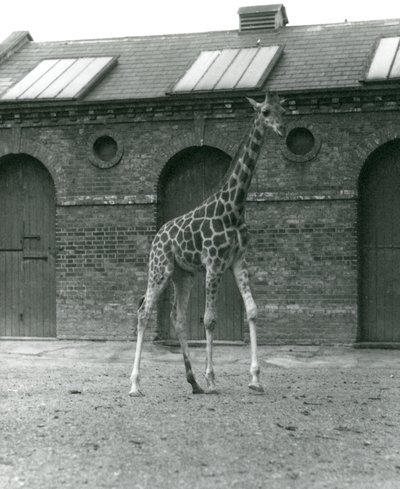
(188,257)
(241,196)
(217,225)
(199,212)
(164,237)
(179,222)
(190,245)
(219,208)
(195,225)
(198,241)
(223,251)
(225,196)
(217,261)
(234,218)
(206,229)
(187,233)
(246,158)
(243,178)
(173,231)
(186,223)
(226,220)
(219,240)
(233,179)
(210,210)
(254,146)
(196,261)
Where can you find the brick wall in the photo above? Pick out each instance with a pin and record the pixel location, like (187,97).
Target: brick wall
(302,216)
(101,268)
(304,270)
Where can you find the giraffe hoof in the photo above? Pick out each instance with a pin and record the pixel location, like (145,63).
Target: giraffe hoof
(196,389)
(212,390)
(136,393)
(256,386)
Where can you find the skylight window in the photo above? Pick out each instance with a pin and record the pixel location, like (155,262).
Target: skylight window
(65,78)
(385,64)
(229,69)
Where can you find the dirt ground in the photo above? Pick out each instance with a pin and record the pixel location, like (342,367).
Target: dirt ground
(330,418)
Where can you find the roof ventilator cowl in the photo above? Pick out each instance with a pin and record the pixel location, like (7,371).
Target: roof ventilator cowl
(262,17)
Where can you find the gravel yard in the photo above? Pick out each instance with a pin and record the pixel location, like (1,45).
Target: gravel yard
(330,418)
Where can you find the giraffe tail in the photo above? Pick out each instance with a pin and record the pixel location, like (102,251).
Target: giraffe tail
(141,301)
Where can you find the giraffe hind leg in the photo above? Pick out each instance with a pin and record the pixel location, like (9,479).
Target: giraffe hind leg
(158,280)
(210,317)
(183,282)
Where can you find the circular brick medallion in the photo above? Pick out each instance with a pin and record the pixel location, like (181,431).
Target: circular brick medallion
(105,149)
(302,142)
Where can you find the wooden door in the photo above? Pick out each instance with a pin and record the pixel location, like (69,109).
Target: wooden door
(27,248)
(190,178)
(379,215)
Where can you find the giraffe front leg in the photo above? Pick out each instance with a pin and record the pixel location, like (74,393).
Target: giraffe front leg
(242,279)
(210,319)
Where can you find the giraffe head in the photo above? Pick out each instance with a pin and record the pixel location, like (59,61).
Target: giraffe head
(270,113)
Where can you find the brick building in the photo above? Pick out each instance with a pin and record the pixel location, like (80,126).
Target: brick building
(101,141)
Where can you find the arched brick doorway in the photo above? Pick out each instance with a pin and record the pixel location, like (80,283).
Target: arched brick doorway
(188,178)
(27,248)
(379,245)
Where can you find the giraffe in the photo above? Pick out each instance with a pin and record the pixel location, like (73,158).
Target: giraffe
(213,236)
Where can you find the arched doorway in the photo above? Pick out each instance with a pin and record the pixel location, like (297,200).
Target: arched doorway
(189,178)
(27,248)
(379,240)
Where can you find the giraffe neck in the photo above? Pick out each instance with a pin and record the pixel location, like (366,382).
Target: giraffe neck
(238,182)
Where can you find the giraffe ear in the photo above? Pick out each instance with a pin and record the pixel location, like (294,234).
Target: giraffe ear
(253,103)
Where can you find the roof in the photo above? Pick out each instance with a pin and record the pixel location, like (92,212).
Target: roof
(316,57)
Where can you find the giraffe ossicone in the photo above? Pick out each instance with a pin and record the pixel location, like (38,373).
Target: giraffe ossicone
(214,237)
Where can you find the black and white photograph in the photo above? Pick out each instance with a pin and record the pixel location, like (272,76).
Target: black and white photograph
(199,244)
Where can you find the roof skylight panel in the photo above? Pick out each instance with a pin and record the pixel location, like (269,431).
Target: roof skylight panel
(196,71)
(62,78)
(217,69)
(259,68)
(385,64)
(237,69)
(47,79)
(65,78)
(94,68)
(33,76)
(229,69)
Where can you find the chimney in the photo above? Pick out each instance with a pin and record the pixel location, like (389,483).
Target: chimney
(13,43)
(265,17)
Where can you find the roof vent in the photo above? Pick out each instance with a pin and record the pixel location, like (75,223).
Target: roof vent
(265,17)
